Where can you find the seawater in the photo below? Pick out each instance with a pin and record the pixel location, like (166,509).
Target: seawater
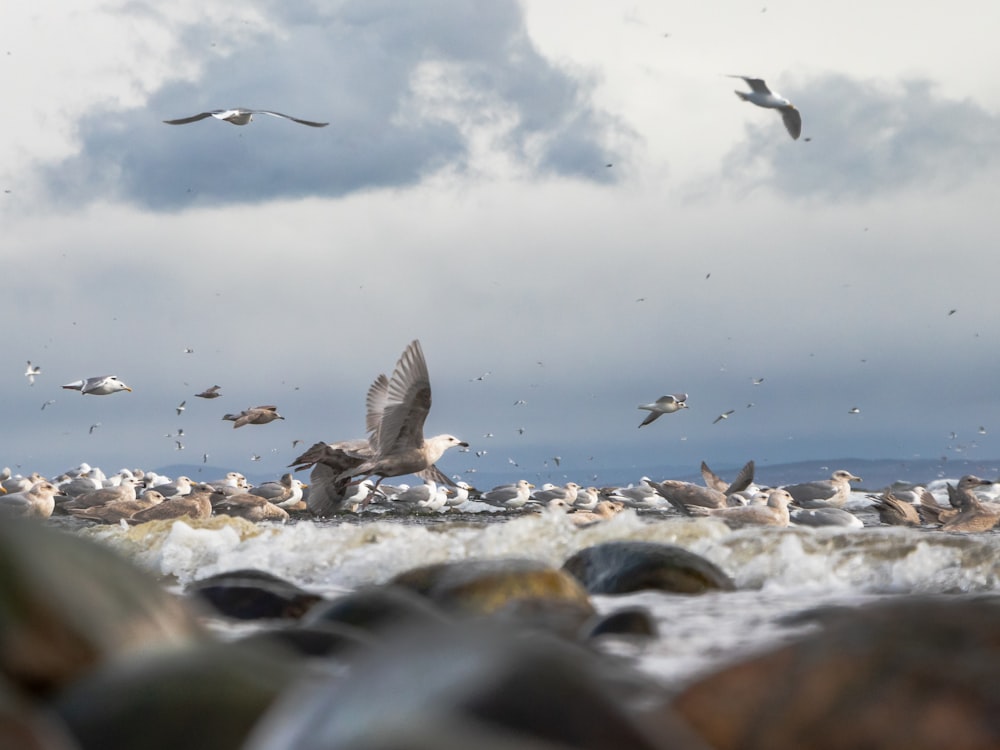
(779,573)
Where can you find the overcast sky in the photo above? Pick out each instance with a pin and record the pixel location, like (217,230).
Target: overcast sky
(565,195)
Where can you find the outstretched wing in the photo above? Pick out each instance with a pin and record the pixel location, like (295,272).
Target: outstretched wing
(310,123)
(793,121)
(186,120)
(407,402)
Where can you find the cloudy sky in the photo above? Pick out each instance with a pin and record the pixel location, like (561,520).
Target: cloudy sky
(565,195)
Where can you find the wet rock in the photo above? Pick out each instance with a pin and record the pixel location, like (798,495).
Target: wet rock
(486,586)
(377,608)
(460,687)
(207,695)
(915,674)
(67,604)
(628,621)
(320,640)
(253,595)
(623,567)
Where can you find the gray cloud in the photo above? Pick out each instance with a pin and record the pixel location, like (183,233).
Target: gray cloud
(357,67)
(867,137)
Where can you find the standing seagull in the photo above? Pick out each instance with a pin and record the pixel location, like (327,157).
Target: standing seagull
(31,372)
(663,405)
(396,410)
(240,116)
(762,96)
(100,386)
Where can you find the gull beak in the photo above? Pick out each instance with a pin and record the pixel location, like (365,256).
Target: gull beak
(128,389)
(464,444)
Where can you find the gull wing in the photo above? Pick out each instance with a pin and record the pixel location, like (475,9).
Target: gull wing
(793,121)
(756,84)
(310,123)
(192,118)
(407,402)
(744,479)
(375,403)
(433,473)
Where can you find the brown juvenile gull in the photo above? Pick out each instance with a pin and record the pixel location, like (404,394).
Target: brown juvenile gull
(773,513)
(684,494)
(212,392)
(103,385)
(396,410)
(197,505)
(762,96)
(250,507)
(968,513)
(254,415)
(240,116)
(825,492)
(663,405)
(119,511)
(895,511)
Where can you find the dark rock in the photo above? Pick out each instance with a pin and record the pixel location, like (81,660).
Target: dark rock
(253,595)
(634,621)
(915,674)
(319,640)
(624,567)
(377,608)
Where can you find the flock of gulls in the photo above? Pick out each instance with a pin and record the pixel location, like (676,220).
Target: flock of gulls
(349,476)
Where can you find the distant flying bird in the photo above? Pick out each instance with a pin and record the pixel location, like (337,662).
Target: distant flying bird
(31,372)
(724,415)
(254,415)
(188,350)
(179,444)
(93,427)
(242,117)
(99,386)
(50,401)
(854,410)
(180,407)
(212,392)
(762,96)
(757,381)
(952,312)
(663,405)
(519,402)
(481,377)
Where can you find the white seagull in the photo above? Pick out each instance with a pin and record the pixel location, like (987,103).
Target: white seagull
(663,405)
(240,116)
(762,96)
(99,386)
(31,372)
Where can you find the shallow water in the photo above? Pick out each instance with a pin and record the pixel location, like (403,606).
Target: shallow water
(779,572)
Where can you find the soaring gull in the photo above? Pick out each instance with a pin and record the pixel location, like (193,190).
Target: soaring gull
(241,116)
(663,405)
(762,96)
(396,410)
(99,386)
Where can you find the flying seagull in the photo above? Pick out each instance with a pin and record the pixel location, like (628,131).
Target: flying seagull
(100,386)
(762,96)
(241,117)
(724,415)
(663,405)
(396,410)
(212,392)
(254,415)
(32,372)
(180,407)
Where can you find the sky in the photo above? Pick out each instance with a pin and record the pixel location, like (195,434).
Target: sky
(563,201)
